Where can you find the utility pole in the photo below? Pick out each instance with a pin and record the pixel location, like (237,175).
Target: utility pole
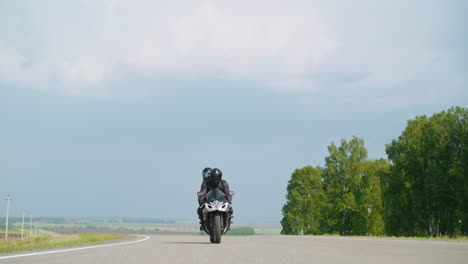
(8,199)
(30,227)
(22,225)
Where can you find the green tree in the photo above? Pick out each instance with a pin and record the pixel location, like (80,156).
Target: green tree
(426,189)
(369,196)
(463,173)
(304,202)
(343,176)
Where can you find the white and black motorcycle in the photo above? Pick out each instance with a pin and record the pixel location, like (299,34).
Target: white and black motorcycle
(217,214)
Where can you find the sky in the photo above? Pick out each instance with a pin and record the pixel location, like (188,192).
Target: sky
(113,108)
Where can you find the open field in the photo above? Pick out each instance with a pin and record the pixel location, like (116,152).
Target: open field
(174,228)
(145,228)
(169,228)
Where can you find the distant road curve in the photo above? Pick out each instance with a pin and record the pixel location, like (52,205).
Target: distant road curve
(176,249)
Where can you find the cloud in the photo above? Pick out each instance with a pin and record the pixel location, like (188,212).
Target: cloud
(88,48)
(305,48)
(209,39)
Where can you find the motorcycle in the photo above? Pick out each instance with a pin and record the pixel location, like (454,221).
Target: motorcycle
(217,214)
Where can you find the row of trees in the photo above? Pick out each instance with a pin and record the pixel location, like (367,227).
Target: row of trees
(422,189)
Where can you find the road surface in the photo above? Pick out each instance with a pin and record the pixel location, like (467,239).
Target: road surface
(176,249)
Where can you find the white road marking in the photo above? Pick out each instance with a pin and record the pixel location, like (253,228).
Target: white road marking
(74,249)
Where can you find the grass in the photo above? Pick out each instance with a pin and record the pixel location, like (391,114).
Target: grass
(169,228)
(441,238)
(241,231)
(102,227)
(445,238)
(14,231)
(31,243)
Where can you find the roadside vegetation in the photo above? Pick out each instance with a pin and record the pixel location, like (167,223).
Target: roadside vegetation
(421,190)
(103,227)
(31,243)
(11,231)
(69,226)
(241,231)
(143,227)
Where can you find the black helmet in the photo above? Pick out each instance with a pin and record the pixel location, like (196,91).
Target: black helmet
(206,173)
(216,175)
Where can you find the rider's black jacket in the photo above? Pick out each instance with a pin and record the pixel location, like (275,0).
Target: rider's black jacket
(206,186)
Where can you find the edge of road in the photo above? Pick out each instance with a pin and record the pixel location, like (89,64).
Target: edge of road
(143,238)
(395,239)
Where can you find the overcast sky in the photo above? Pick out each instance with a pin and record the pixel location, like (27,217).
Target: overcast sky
(113,108)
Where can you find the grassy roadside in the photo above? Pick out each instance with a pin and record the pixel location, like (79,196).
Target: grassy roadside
(31,243)
(12,232)
(441,238)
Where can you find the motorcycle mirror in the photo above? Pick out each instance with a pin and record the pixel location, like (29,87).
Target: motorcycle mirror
(232,193)
(199,193)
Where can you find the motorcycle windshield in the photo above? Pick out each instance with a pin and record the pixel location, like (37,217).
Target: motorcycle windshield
(216,194)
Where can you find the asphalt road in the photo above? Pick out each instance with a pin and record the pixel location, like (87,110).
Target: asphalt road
(262,249)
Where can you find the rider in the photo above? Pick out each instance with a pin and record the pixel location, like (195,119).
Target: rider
(214,180)
(201,199)
(206,175)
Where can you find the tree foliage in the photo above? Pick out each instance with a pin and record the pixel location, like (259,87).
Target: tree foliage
(344,197)
(421,190)
(427,187)
(352,186)
(302,211)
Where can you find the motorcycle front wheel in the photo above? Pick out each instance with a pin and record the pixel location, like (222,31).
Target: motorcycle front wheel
(216,234)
